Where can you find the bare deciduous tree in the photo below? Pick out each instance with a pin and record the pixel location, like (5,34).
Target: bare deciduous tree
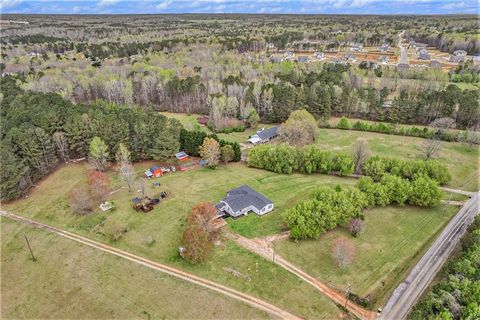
(356,226)
(360,154)
(342,251)
(125,168)
(62,146)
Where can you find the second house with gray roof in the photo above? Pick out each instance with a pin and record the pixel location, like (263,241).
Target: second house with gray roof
(240,201)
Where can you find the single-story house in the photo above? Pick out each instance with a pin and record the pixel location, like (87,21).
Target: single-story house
(302,59)
(319,55)
(460,53)
(350,57)
(263,135)
(384,47)
(423,55)
(240,201)
(182,156)
(383,59)
(435,64)
(456,59)
(276,58)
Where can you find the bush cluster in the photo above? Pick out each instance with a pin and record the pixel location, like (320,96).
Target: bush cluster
(376,167)
(325,209)
(389,128)
(328,207)
(286,159)
(422,191)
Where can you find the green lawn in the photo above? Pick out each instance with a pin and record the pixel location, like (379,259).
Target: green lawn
(394,239)
(48,202)
(73,281)
(461,161)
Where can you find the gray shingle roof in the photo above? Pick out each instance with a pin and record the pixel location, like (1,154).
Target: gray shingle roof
(267,133)
(244,197)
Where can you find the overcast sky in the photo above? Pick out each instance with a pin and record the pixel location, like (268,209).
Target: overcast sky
(246,6)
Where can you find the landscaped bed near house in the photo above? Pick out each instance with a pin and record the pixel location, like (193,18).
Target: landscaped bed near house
(394,239)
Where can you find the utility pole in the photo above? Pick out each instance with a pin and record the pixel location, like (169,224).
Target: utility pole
(347,292)
(30,248)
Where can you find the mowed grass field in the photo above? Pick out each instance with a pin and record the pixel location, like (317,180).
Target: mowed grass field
(73,281)
(462,162)
(393,240)
(157,234)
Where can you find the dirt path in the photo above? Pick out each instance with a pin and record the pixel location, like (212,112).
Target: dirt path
(255,302)
(262,247)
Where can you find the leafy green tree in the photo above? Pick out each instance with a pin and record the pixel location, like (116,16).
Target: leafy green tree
(398,189)
(425,192)
(300,129)
(253,118)
(99,154)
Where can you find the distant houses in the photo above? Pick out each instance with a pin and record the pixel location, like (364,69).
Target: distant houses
(356,47)
(350,57)
(384,48)
(435,64)
(319,55)
(302,59)
(458,56)
(384,59)
(423,54)
(241,200)
(263,136)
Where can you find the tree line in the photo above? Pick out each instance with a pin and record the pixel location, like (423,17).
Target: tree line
(282,158)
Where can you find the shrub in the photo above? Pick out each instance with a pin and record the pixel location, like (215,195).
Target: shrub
(80,201)
(114,230)
(343,124)
(375,168)
(343,164)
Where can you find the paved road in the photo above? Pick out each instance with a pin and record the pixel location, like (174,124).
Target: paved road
(255,302)
(262,247)
(407,293)
(403,51)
